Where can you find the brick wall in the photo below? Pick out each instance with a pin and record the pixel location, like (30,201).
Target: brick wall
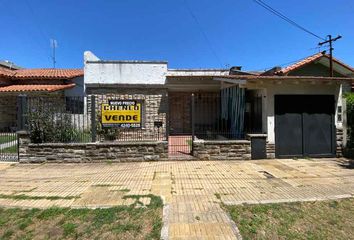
(155,107)
(222,150)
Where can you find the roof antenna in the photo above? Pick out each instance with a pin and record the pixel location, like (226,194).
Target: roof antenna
(53,45)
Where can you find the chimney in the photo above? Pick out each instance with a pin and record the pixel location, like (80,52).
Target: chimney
(271,71)
(236,68)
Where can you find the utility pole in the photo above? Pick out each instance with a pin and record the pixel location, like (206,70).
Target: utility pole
(54,45)
(330,41)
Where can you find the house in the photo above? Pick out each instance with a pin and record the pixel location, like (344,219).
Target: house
(14,81)
(211,113)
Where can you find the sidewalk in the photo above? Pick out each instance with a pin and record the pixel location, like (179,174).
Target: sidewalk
(192,190)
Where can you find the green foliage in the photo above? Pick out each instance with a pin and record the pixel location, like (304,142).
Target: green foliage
(28,197)
(350,118)
(121,222)
(69,229)
(107,133)
(51,125)
(300,220)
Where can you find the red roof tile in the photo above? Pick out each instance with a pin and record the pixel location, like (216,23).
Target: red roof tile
(300,63)
(309,60)
(6,72)
(277,77)
(35,88)
(41,73)
(48,73)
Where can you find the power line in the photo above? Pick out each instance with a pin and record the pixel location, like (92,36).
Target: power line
(44,35)
(203,32)
(330,42)
(285,18)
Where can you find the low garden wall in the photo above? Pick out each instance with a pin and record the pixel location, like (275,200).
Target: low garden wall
(222,150)
(91,152)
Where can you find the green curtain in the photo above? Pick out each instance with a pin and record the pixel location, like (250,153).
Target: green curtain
(233,110)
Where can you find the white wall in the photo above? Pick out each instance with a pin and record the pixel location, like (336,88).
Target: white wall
(123,72)
(301,88)
(198,72)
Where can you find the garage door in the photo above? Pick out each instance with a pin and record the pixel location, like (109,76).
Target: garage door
(304,126)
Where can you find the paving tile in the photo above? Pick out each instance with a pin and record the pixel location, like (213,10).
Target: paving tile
(189,187)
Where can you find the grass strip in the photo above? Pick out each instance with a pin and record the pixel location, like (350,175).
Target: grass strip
(28,197)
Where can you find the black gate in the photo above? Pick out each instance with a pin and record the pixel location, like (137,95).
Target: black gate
(8,128)
(304,126)
(204,116)
(8,146)
(180,139)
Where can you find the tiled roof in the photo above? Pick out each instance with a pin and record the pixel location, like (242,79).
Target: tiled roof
(300,63)
(278,77)
(4,72)
(41,73)
(309,60)
(35,88)
(48,73)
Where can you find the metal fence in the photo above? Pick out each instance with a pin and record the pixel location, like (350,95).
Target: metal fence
(8,136)
(8,146)
(218,116)
(79,119)
(209,116)
(57,119)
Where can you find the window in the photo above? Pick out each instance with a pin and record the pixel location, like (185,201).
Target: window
(74,105)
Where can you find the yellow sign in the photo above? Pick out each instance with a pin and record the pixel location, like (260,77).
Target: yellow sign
(121,113)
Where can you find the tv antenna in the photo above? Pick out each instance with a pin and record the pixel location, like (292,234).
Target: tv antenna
(53,45)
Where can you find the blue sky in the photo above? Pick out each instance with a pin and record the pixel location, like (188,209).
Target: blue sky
(238,32)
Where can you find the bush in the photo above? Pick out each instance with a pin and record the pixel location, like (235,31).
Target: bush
(108,133)
(350,119)
(49,126)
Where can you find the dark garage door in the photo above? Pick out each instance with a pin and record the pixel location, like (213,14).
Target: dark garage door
(304,126)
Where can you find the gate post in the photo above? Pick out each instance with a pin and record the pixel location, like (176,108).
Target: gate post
(193,120)
(167,125)
(21,112)
(93,119)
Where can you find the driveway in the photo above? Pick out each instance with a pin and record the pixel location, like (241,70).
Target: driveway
(192,190)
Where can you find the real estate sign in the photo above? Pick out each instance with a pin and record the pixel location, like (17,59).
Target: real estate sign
(121,114)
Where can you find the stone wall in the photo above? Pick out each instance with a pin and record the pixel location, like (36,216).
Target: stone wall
(91,152)
(154,108)
(222,150)
(270,148)
(339,142)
